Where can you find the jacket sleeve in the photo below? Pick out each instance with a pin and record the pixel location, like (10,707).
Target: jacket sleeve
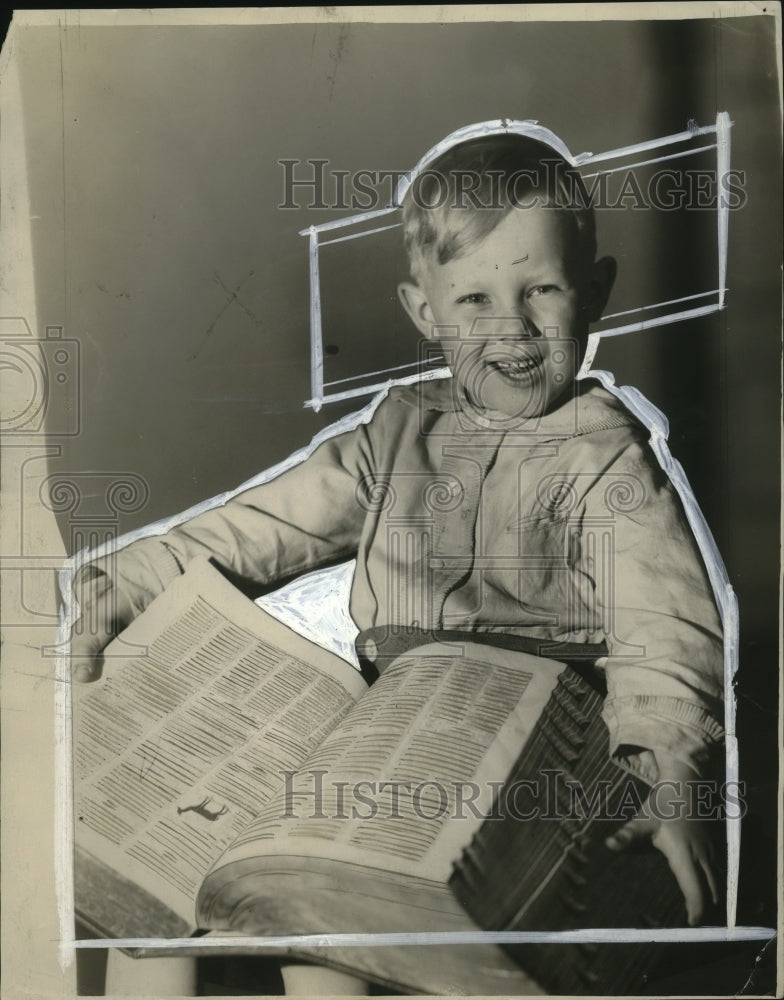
(654,599)
(308,516)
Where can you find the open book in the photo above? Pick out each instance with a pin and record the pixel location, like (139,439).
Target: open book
(233,776)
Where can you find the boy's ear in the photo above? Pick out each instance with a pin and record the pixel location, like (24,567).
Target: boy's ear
(413,300)
(602,279)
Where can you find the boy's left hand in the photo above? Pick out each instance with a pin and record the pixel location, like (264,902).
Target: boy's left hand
(686,841)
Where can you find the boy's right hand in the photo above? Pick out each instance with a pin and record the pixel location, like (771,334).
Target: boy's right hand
(104,614)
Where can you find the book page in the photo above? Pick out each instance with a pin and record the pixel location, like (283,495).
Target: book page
(177,748)
(406,778)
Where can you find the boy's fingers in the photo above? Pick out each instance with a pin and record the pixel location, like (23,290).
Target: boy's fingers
(90,635)
(90,584)
(86,659)
(83,671)
(710,878)
(687,876)
(85,645)
(633,832)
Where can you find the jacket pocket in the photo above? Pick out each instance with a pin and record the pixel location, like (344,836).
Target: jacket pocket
(540,555)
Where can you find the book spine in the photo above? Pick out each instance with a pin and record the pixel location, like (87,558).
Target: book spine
(539,862)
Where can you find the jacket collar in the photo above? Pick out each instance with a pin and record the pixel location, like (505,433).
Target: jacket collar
(592,408)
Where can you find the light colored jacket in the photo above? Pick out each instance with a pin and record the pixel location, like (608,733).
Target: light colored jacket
(562,527)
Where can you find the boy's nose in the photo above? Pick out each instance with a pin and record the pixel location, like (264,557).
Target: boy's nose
(504,328)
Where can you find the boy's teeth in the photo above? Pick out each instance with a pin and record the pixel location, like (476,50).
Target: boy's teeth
(516,365)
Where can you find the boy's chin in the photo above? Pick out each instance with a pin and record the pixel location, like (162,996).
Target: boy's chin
(509,403)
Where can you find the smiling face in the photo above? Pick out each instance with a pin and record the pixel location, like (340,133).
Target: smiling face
(514,311)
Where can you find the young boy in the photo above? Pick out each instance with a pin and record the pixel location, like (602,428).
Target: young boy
(509,500)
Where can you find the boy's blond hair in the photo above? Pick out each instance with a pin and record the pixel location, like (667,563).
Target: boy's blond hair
(464,194)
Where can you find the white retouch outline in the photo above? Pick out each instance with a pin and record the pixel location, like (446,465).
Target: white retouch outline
(725,598)
(532,129)
(657,159)
(658,935)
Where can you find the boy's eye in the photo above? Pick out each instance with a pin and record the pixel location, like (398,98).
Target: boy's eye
(542,290)
(474,299)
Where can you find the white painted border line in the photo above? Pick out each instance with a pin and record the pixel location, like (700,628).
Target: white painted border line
(319,400)
(732,762)
(365,232)
(381,371)
(652,418)
(337,397)
(732,632)
(660,305)
(64,788)
(723,126)
(498,126)
(671,317)
(724,596)
(346,423)
(316,343)
(605,935)
(325,227)
(484,128)
(643,147)
(647,324)
(533,129)
(657,159)
(655,421)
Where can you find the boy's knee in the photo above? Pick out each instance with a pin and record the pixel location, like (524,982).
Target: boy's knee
(152,977)
(301,979)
